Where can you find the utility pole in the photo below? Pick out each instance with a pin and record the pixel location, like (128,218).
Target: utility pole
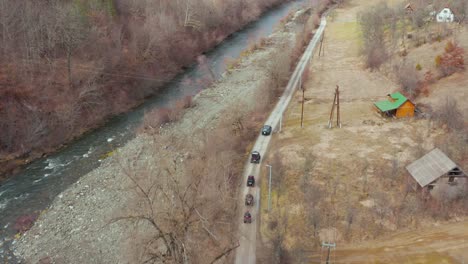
(336,102)
(338,121)
(321,42)
(302,111)
(269,189)
(281,122)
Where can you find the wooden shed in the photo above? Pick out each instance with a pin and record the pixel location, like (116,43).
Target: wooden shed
(434,168)
(396,105)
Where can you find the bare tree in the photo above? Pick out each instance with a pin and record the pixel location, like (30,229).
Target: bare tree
(191,16)
(381,209)
(313,195)
(8,20)
(392,172)
(279,222)
(350,218)
(460,8)
(265,95)
(170,224)
(450,115)
(71,31)
(279,68)
(412,208)
(408,77)
(373,22)
(171,206)
(278,175)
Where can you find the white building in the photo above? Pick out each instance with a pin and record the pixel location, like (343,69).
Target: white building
(445,15)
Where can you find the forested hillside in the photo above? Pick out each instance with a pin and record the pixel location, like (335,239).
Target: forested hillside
(65,66)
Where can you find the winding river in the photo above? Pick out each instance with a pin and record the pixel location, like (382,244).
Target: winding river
(34,188)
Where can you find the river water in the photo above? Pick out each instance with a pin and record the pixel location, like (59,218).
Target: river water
(34,188)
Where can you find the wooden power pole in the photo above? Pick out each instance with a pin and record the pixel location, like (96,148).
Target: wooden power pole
(336,102)
(302,111)
(303,99)
(321,43)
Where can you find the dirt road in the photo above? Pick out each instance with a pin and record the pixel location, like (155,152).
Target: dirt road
(444,244)
(246,252)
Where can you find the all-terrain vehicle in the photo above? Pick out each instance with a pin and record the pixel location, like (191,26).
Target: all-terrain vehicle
(255,158)
(247,218)
(249,200)
(251,181)
(266,130)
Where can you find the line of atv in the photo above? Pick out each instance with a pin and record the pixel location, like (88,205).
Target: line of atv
(254,158)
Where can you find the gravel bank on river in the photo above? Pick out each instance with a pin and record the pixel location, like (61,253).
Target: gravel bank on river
(75,228)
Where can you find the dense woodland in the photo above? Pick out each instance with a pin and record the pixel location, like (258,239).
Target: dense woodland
(65,66)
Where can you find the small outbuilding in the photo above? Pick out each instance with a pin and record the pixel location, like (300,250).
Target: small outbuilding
(446,15)
(396,105)
(432,169)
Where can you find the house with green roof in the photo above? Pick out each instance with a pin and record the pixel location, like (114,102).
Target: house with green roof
(396,105)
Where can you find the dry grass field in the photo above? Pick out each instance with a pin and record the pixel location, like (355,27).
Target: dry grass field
(348,185)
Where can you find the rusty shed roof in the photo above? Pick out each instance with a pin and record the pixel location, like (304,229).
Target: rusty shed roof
(430,167)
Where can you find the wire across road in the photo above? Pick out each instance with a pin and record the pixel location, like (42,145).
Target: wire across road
(246,252)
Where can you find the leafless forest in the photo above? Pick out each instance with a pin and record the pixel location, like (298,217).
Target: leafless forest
(65,66)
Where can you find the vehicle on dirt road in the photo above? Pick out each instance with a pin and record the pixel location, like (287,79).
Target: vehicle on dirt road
(255,158)
(250,181)
(249,200)
(266,130)
(247,218)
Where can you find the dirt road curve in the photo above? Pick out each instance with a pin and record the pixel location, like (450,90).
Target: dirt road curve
(246,252)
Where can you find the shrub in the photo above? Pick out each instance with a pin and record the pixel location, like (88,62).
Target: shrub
(160,116)
(424,87)
(315,20)
(418,67)
(438,60)
(263,42)
(154,119)
(452,60)
(185,102)
(231,63)
(24,222)
(429,77)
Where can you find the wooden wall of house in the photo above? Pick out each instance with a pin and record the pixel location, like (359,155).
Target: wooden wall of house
(405,110)
(412,182)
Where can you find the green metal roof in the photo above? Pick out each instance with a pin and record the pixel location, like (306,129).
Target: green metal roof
(387,105)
